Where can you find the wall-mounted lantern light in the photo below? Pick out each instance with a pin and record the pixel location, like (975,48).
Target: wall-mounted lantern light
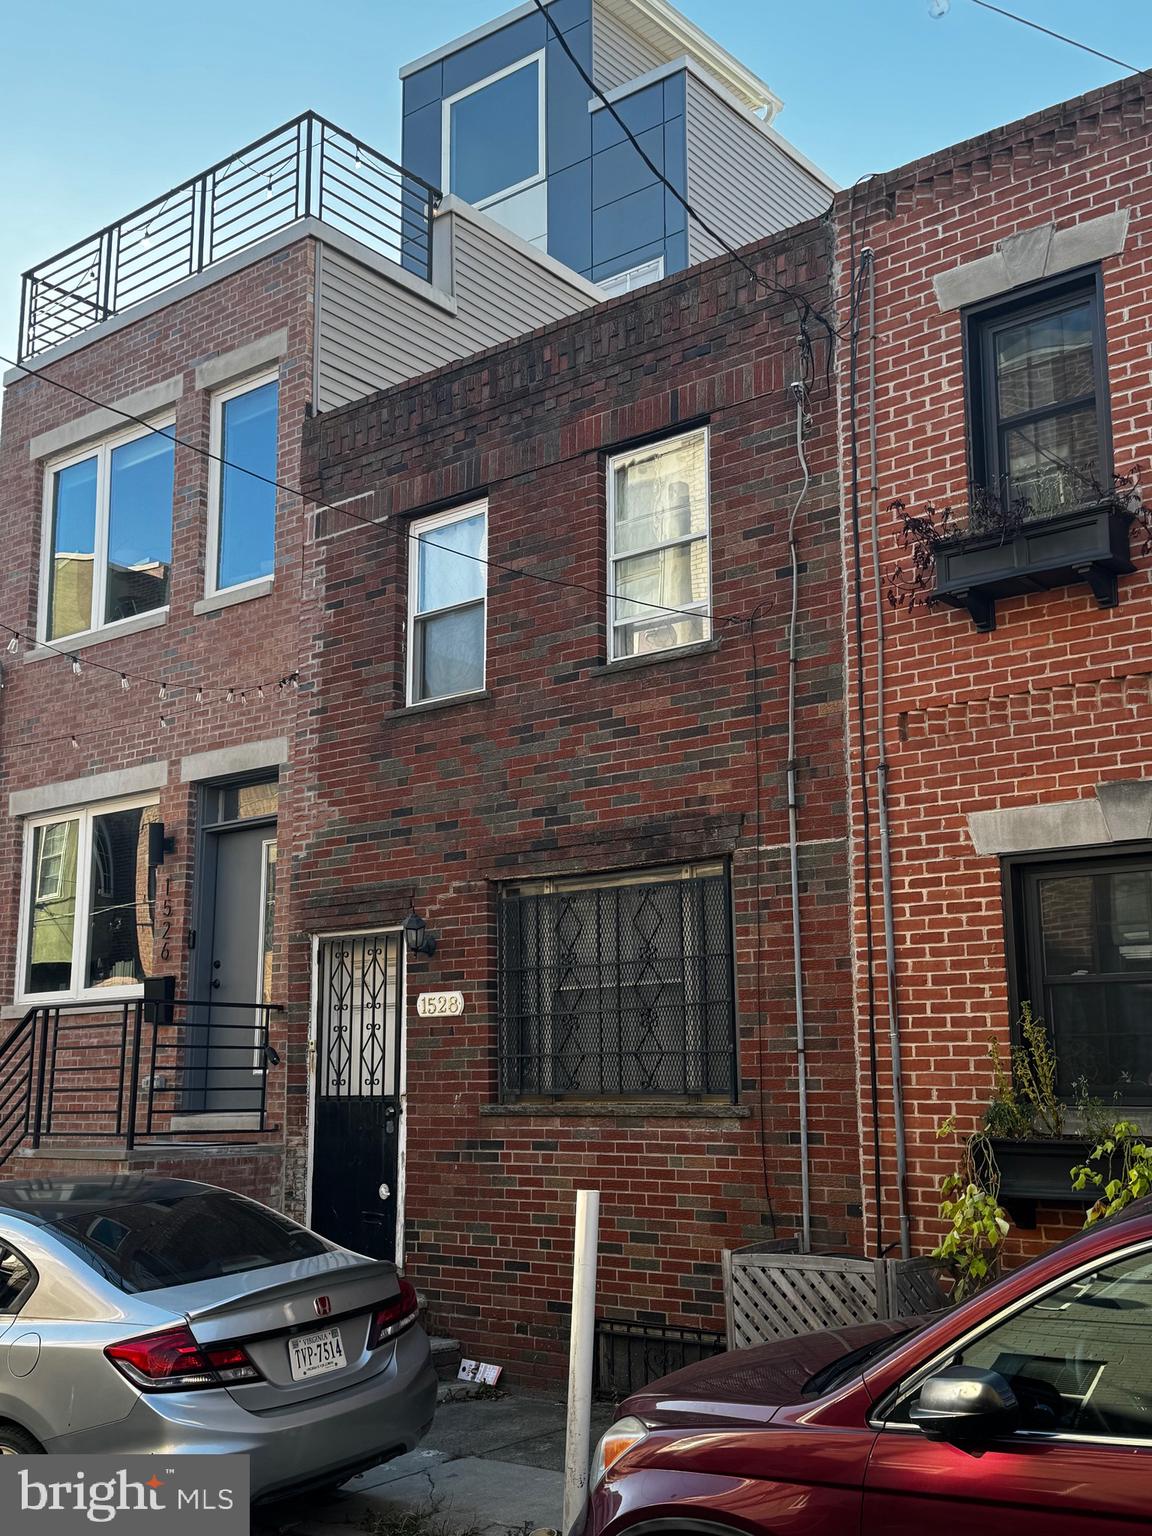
(416,935)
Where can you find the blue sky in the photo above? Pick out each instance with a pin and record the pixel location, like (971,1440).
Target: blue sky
(110,102)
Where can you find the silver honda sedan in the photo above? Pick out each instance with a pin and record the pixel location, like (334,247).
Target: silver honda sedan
(146,1315)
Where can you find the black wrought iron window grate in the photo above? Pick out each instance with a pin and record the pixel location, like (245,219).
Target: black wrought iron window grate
(619,989)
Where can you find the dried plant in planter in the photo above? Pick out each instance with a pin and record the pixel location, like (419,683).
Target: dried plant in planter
(920,535)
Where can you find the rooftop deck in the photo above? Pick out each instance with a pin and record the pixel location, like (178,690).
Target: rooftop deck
(308,168)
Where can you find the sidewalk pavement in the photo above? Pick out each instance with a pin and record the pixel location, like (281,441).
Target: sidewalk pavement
(489,1466)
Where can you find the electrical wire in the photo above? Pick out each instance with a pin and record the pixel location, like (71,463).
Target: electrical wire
(1059,36)
(805,310)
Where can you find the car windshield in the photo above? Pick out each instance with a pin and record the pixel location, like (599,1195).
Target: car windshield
(177,1239)
(837,1372)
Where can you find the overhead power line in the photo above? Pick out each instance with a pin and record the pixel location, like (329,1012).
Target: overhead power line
(1072,42)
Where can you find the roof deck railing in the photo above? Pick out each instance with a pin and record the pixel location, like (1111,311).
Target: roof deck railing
(306,168)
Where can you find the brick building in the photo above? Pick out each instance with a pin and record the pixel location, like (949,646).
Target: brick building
(566,793)
(1011,293)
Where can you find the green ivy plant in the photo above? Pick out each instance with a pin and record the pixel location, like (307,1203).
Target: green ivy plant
(978,1224)
(1120,1166)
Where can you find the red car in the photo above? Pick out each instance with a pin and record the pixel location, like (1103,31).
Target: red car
(1026,1410)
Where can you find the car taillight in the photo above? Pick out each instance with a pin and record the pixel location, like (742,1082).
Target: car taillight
(173,1362)
(394,1316)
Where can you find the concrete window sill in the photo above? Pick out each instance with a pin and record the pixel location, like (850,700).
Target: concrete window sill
(631,1108)
(631,663)
(429,705)
(233,595)
(132,626)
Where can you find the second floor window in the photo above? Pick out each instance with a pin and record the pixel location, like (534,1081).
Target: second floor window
(108,551)
(447,603)
(242,514)
(658,547)
(1039,406)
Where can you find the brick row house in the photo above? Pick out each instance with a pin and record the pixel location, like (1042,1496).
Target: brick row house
(503,813)
(1010,381)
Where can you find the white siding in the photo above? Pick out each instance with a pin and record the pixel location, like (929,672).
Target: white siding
(618,54)
(741,181)
(374,332)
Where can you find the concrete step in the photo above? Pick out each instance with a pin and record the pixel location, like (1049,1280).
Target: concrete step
(446,1357)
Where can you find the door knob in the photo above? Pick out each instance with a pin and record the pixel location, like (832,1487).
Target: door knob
(384,1191)
(215,981)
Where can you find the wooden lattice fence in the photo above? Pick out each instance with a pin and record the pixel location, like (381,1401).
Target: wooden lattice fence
(773,1292)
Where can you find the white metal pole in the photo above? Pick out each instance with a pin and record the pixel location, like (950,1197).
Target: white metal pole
(577,1451)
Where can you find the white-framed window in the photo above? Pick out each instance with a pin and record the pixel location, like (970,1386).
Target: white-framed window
(447,603)
(494,141)
(107,545)
(241,544)
(85,909)
(632,278)
(658,547)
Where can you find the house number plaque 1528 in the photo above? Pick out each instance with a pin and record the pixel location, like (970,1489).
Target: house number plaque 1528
(440,1005)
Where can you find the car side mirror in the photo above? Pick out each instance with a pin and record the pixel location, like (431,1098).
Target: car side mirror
(961,1403)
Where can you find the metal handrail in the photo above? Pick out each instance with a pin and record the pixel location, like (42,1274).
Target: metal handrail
(309,167)
(130,1075)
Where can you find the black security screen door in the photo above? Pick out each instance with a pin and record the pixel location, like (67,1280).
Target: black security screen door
(357,1116)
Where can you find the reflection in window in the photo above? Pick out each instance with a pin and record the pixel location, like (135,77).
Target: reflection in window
(658,542)
(244,802)
(447,603)
(246,510)
(111,535)
(1089,971)
(267,921)
(493,134)
(88,926)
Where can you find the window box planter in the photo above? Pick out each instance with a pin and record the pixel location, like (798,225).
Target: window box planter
(1039,1172)
(1089,545)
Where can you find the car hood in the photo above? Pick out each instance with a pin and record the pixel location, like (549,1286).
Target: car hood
(748,1386)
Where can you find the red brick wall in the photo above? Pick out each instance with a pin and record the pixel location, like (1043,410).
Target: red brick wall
(43,702)
(1056,699)
(570,767)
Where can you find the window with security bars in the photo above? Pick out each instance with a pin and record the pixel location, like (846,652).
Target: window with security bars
(620,986)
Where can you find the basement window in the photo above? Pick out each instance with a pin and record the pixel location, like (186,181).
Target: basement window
(658,547)
(108,544)
(86,913)
(618,986)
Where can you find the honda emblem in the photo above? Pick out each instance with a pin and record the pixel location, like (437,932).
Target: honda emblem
(323,1306)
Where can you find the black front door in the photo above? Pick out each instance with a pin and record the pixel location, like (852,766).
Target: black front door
(356,1133)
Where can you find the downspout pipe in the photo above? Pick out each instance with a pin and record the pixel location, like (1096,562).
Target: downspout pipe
(800,393)
(899,1129)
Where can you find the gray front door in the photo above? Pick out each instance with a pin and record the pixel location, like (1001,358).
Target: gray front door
(238,943)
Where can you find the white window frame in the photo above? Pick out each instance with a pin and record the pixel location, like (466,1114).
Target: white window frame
(102,452)
(539,60)
(85,817)
(429,525)
(216,484)
(632,278)
(622,460)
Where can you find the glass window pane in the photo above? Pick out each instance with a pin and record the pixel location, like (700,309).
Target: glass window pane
(247,532)
(73,549)
(495,136)
(1045,361)
(52,920)
(1101,1033)
(677,576)
(1068,925)
(1053,464)
(119,923)
(268,922)
(1130,920)
(139,527)
(660,498)
(15,1280)
(450,653)
(445,576)
(242,802)
(1080,1359)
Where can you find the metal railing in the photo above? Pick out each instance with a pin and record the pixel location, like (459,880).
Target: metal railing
(307,168)
(142,1070)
